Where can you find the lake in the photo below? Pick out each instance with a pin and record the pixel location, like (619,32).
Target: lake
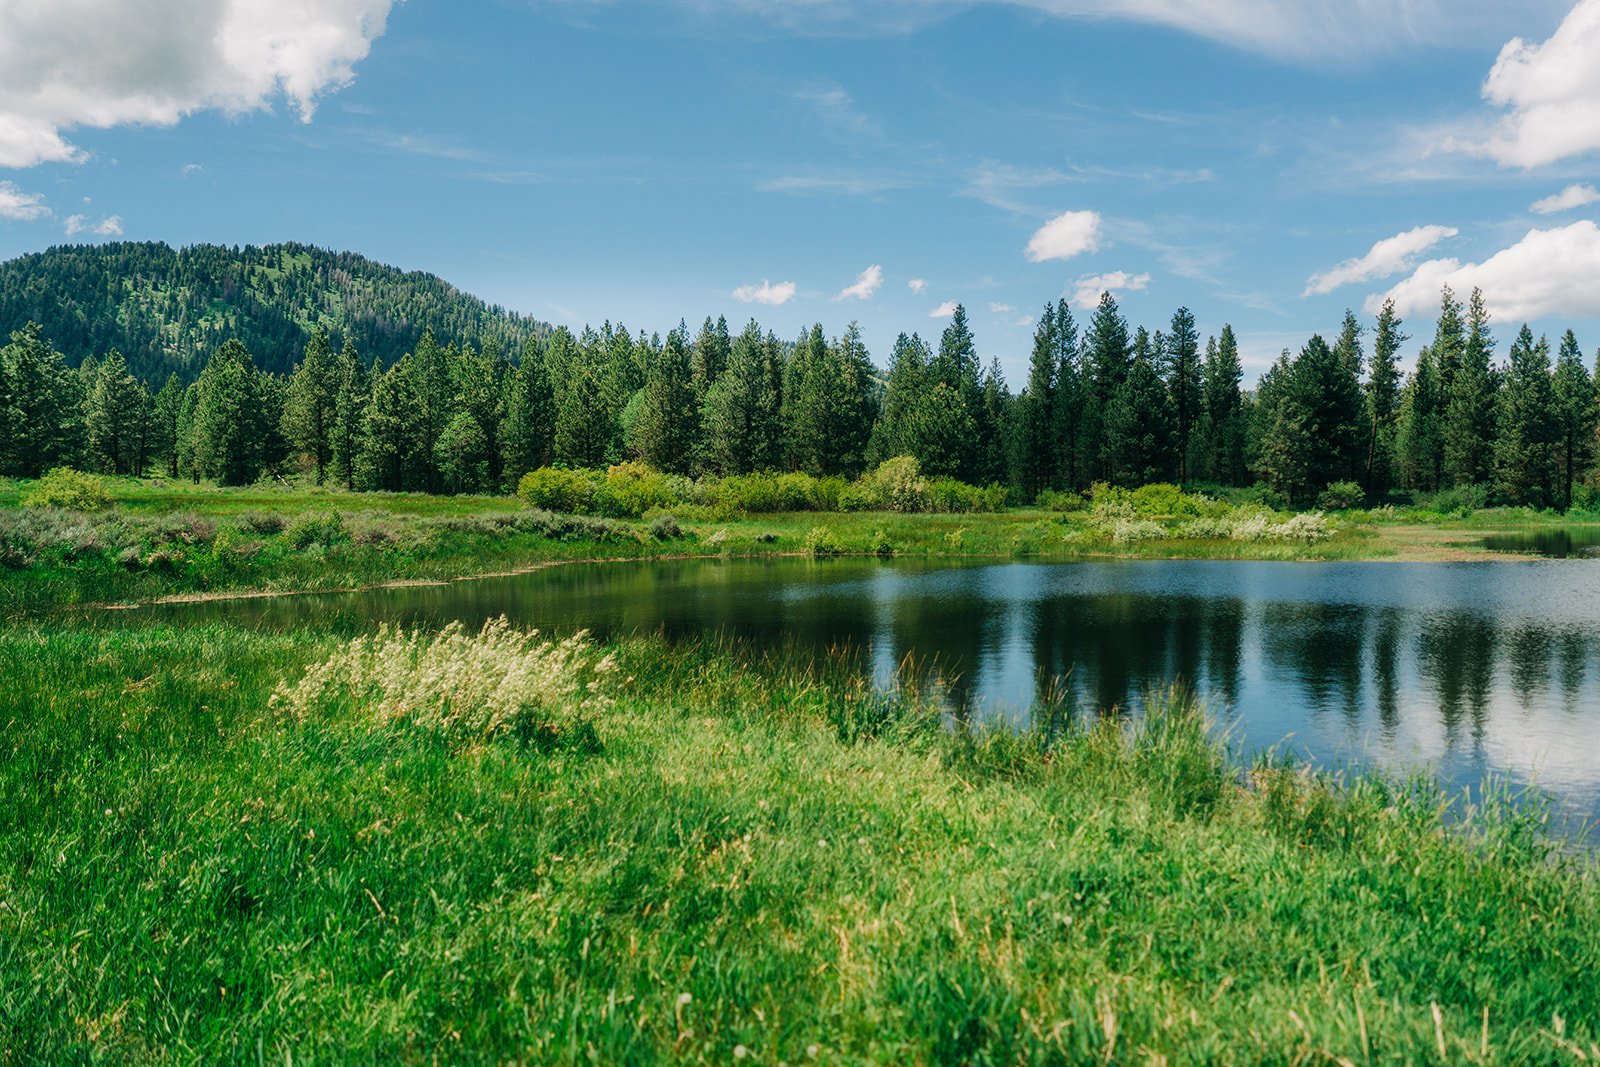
(1474,670)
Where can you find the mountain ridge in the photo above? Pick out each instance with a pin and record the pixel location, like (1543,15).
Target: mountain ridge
(165,309)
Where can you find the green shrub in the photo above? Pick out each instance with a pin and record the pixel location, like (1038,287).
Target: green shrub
(1163,500)
(1057,500)
(821,541)
(68,489)
(1459,500)
(665,528)
(326,531)
(894,485)
(628,490)
(558,489)
(881,545)
(1341,496)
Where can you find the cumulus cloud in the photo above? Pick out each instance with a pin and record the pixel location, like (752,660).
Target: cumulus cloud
(19,206)
(765,293)
(110,226)
(867,282)
(1389,256)
(1551,92)
(943,311)
(918,285)
(1548,272)
(1068,234)
(71,64)
(1567,199)
(1086,290)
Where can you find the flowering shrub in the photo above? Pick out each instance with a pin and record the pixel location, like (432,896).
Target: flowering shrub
(499,682)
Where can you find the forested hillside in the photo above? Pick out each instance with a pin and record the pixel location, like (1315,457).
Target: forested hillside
(167,310)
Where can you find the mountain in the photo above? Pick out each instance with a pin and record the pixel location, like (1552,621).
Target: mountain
(165,309)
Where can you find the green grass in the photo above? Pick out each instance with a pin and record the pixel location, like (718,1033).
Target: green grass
(163,538)
(759,852)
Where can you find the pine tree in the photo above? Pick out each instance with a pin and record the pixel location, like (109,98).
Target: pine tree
(352,390)
(1576,416)
(430,373)
(1351,465)
(388,456)
(940,431)
(1036,411)
(1222,415)
(1107,358)
(713,348)
(480,390)
(1418,441)
(740,412)
(1063,468)
(804,421)
(115,418)
(583,426)
(904,392)
(666,430)
(1281,442)
(310,412)
(1140,424)
(1324,385)
(957,365)
(44,406)
(1183,375)
(462,455)
(994,427)
(1383,402)
(164,425)
(530,414)
(1524,450)
(846,394)
(1470,411)
(228,431)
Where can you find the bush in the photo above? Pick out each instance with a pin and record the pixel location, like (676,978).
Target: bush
(882,547)
(326,531)
(665,528)
(1460,500)
(558,489)
(1341,496)
(628,490)
(821,541)
(1057,500)
(1163,500)
(69,490)
(895,485)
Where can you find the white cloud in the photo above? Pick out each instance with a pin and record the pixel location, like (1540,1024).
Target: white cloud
(1025,321)
(765,293)
(867,282)
(1567,199)
(1065,236)
(1001,309)
(110,226)
(66,64)
(918,285)
(1389,256)
(1086,290)
(834,106)
(1552,91)
(943,311)
(1548,272)
(19,206)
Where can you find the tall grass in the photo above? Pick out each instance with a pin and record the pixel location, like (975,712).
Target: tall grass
(761,852)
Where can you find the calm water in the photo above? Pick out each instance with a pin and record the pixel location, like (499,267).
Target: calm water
(1472,669)
(1552,544)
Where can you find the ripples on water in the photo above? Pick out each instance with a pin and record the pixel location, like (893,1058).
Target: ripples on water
(1471,669)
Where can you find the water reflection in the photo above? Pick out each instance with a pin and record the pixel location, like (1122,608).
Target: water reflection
(1552,544)
(1469,668)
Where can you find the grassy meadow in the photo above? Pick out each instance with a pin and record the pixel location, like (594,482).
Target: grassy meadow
(222,845)
(157,537)
(489,850)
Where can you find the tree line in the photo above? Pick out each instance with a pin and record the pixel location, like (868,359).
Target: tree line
(1104,402)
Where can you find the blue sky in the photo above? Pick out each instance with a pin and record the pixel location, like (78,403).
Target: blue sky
(1266,164)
